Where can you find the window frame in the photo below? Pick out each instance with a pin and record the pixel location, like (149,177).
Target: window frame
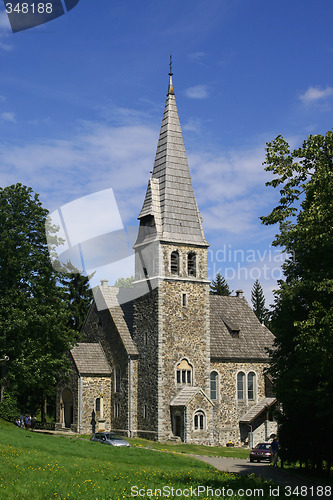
(174,262)
(240,386)
(199,420)
(253,389)
(184,374)
(216,381)
(192,264)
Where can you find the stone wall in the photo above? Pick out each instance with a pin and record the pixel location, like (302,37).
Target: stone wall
(92,388)
(183,327)
(100,327)
(199,436)
(228,409)
(145,336)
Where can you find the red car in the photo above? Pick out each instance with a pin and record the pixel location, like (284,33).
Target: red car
(262,451)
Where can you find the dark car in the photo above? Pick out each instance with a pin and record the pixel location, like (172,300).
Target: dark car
(262,451)
(109,438)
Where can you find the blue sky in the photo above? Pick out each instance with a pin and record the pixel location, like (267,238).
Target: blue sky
(82,97)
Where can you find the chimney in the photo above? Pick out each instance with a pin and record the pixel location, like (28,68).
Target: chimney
(104,283)
(240,294)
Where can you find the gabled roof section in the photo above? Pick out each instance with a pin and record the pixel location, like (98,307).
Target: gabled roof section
(257,409)
(186,394)
(90,359)
(106,297)
(235,331)
(172,203)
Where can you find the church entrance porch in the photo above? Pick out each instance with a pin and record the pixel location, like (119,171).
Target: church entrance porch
(177,419)
(192,416)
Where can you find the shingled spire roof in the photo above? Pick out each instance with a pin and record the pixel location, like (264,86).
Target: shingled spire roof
(170,198)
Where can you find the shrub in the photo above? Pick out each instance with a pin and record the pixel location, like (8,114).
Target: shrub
(9,408)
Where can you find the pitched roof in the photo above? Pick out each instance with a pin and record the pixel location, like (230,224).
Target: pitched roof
(257,409)
(170,197)
(106,297)
(186,394)
(235,331)
(90,359)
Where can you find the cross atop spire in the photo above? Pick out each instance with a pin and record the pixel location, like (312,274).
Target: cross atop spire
(170,89)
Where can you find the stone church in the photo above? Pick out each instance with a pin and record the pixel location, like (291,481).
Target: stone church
(174,362)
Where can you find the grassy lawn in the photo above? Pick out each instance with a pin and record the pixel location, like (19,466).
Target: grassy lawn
(192,449)
(37,466)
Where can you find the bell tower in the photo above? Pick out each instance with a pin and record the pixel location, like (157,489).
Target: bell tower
(171,315)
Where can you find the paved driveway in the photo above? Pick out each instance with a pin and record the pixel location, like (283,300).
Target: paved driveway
(266,471)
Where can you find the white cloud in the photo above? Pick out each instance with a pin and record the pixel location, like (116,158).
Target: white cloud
(5,30)
(197,92)
(193,125)
(8,116)
(100,157)
(313,94)
(230,189)
(4,22)
(198,56)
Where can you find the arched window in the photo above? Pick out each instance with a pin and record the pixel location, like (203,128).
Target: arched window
(184,373)
(116,409)
(191,264)
(251,383)
(98,405)
(213,385)
(240,386)
(117,379)
(174,262)
(199,420)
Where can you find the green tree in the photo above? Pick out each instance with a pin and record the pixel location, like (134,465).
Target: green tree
(34,330)
(258,302)
(125,282)
(303,312)
(219,286)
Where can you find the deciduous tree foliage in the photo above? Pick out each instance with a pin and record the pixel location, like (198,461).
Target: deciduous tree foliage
(303,315)
(219,286)
(34,329)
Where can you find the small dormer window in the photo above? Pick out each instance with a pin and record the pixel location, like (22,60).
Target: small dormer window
(192,264)
(174,262)
(147,221)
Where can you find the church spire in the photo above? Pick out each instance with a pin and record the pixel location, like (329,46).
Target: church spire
(170,198)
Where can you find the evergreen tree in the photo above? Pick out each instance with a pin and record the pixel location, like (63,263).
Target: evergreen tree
(78,295)
(219,286)
(258,302)
(34,330)
(303,312)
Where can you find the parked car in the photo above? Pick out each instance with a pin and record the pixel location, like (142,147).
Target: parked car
(262,451)
(109,438)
